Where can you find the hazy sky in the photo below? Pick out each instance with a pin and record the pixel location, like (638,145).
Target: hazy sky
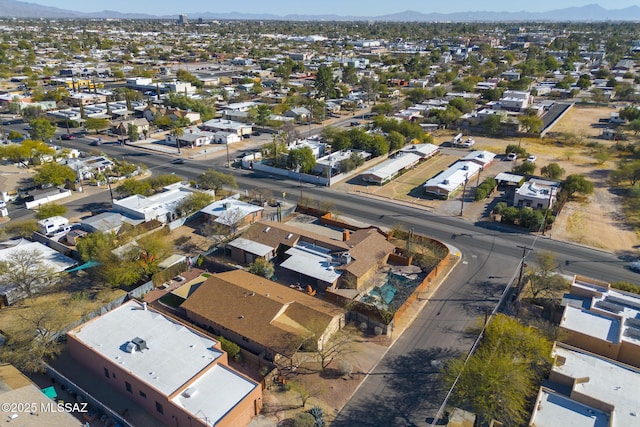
(338,7)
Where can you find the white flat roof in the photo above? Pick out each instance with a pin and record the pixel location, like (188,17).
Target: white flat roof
(230,211)
(311,260)
(214,394)
(390,167)
(592,324)
(624,305)
(557,410)
(483,157)
(424,149)
(175,353)
(250,246)
(50,257)
(161,201)
(607,381)
(455,176)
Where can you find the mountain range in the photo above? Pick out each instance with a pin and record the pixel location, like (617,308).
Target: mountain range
(588,13)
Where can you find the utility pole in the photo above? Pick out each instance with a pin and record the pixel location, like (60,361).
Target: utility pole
(464,187)
(524,256)
(228,160)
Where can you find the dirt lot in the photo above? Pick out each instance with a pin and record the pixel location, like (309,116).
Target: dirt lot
(596,221)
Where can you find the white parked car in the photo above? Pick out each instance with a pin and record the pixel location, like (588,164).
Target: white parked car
(511,157)
(531,159)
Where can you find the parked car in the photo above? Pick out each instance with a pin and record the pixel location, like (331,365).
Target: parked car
(635,266)
(511,157)
(531,159)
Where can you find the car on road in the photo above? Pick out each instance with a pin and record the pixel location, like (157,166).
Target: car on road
(635,266)
(68,136)
(354,124)
(177,161)
(511,157)
(27,127)
(531,159)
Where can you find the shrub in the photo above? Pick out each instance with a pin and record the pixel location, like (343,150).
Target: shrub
(500,207)
(345,368)
(231,348)
(304,419)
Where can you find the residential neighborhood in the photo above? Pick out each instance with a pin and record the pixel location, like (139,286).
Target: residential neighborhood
(318,221)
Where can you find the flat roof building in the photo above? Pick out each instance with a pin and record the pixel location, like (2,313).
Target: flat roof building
(537,194)
(587,390)
(177,374)
(389,169)
(447,183)
(602,320)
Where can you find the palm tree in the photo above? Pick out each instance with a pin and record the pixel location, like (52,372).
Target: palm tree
(177,132)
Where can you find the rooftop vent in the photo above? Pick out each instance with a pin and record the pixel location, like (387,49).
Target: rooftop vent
(139,344)
(266,230)
(290,235)
(190,391)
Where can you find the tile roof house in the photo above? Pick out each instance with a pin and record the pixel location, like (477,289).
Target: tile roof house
(322,261)
(260,315)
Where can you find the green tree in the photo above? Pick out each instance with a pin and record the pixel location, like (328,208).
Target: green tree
(194,202)
(349,75)
(50,209)
(500,378)
(301,158)
(130,186)
(531,123)
(96,246)
(382,109)
(552,170)
(627,171)
(94,124)
(132,132)
(13,135)
(634,125)
(214,180)
(492,125)
(263,114)
(396,140)
(41,129)
(577,183)
(525,168)
(324,83)
(262,267)
(54,174)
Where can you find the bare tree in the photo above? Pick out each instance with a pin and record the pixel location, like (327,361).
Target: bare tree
(31,336)
(26,270)
(338,345)
(543,282)
(306,391)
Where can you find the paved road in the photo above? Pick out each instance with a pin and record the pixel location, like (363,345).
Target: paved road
(402,390)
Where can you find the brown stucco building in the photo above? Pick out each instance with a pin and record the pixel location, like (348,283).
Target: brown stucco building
(177,374)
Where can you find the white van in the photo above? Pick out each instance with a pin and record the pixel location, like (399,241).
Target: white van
(456,139)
